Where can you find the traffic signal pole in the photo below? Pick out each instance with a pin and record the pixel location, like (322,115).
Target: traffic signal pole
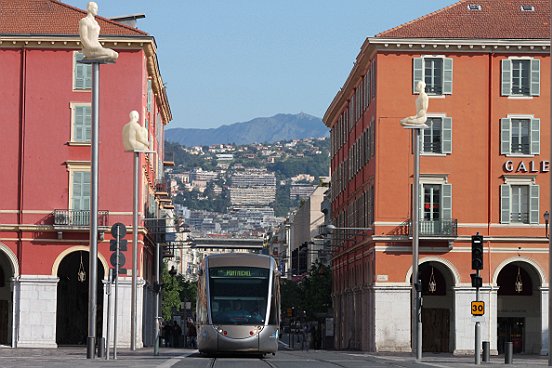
(477,329)
(477,264)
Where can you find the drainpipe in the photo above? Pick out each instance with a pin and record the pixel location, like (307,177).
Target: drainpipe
(21,171)
(489,193)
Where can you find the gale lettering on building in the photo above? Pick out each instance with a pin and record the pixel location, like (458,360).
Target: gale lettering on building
(526,167)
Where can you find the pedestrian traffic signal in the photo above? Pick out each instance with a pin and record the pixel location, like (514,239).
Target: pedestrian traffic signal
(477,252)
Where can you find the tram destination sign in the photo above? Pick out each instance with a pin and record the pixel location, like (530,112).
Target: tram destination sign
(238,272)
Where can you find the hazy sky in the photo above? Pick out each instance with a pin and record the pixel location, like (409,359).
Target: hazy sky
(227,61)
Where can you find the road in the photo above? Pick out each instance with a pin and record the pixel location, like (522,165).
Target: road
(182,358)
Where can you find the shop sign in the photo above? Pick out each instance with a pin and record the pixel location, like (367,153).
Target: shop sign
(527,167)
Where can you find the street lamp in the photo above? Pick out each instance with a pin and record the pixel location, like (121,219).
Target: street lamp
(546,216)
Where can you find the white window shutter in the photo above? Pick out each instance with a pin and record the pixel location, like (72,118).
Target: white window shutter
(418,72)
(535,77)
(535,136)
(447,76)
(446,201)
(505,137)
(534,204)
(421,203)
(504,204)
(506,77)
(447,135)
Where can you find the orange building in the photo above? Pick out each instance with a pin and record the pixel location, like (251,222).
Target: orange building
(484,169)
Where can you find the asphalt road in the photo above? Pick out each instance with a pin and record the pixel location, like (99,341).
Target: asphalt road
(183,358)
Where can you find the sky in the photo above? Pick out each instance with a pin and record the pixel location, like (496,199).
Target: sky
(228,61)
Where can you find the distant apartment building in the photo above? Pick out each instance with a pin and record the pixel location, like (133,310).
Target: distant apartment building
(252,188)
(252,178)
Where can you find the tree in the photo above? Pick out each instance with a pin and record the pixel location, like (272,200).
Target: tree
(170,293)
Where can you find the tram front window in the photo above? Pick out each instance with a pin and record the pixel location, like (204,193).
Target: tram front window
(238,295)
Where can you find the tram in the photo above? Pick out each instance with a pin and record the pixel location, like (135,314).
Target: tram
(238,304)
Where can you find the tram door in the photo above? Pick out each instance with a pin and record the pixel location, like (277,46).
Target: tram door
(511,329)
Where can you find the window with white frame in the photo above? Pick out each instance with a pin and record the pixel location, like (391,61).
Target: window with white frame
(437,137)
(436,72)
(81,122)
(435,199)
(82,73)
(520,77)
(519,201)
(519,135)
(80,190)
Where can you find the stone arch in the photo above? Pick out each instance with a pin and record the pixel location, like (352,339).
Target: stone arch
(62,255)
(12,258)
(537,268)
(446,263)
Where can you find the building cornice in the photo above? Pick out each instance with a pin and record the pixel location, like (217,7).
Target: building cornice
(373,45)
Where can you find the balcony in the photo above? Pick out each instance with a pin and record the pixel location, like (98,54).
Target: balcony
(161,189)
(436,228)
(78,218)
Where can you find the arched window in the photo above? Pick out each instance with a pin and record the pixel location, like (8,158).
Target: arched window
(2,278)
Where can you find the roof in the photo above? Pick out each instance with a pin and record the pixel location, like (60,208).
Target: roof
(496,19)
(51,17)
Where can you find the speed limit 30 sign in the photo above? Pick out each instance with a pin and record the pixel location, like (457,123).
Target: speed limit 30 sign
(477,308)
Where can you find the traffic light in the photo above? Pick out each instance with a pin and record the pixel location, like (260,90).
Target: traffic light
(477,252)
(476,281)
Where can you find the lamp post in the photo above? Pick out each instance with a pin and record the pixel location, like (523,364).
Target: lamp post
(546,217)
(550,206)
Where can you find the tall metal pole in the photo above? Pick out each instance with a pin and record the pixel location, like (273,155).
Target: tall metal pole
(416,287)
(550,208)
(157,295)
(93,256)
(108,327)
(134,296)
(116,303)
(477,328)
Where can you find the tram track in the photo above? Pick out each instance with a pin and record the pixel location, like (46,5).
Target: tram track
(212,363)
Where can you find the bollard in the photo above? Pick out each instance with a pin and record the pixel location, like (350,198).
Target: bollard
(101,347)
(486,351)
(508,352)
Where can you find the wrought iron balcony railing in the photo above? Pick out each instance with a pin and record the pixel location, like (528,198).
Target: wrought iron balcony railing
(78,218)
(443,227)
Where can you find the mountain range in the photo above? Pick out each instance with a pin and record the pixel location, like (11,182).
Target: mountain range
(280,127)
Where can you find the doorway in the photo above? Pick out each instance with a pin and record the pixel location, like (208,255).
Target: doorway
(6,299)
(511,329)
(72,300)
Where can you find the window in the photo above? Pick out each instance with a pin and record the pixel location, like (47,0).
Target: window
(81,122)
(519,203)
(436,72)
(520,136)
(80,190)
(82,73)
(150,97)
(520,77)
(437,137)
(436,207)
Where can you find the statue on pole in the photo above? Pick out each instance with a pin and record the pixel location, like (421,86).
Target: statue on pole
(135,136)
(89,31)
(422,103)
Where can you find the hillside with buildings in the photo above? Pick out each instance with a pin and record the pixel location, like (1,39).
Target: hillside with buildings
(244,189)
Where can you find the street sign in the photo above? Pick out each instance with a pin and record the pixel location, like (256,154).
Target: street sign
(122,230)
(478,308)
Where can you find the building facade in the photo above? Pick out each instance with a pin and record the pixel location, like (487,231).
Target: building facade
(484,169)
(45,100)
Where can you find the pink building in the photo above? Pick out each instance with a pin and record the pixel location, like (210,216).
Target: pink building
(45,99)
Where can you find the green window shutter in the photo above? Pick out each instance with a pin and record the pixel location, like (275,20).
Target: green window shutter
(534,204)
(505,139)
(81,191)
(447,135)
(82,124)
(447,76)
(418,72)
(446,201)
(535,136)
(82,73)
(535,77)
(506,77)
(505,204)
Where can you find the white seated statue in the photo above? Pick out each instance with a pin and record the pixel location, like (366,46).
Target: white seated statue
(135,136)
(422,103)
(89,31)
